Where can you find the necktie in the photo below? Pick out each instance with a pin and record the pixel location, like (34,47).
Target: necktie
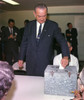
(11,30)
(39,32)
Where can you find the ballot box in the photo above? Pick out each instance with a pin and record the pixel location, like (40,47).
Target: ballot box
(60,81)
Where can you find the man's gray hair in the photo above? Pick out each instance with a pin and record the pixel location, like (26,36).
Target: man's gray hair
(41,6)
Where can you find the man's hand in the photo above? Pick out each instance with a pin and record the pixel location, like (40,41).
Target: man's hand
(20,64)
(64,61)
(10,37)
(68,34)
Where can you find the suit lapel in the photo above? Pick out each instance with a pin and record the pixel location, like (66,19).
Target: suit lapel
(13,31)
(44,32)
(34,33)
(8,31)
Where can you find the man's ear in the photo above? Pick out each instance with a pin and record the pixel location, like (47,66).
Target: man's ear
(71,48)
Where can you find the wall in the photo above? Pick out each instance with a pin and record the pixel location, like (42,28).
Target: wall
(18,16)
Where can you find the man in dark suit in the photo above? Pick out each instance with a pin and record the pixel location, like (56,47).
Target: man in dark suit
(37,43)
(10,39)
(71,35)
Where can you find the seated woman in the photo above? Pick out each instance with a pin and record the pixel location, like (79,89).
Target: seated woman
(6,77)
(79,94)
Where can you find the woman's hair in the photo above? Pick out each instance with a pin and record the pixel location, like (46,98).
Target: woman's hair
(6,77)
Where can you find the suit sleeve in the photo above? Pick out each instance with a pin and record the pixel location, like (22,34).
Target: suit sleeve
(61,40)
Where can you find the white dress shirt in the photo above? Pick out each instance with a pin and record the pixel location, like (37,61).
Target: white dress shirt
(73,61)
(11,30)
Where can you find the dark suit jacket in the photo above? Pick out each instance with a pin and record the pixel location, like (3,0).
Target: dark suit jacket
(39,56)
(73,38)
(8,43)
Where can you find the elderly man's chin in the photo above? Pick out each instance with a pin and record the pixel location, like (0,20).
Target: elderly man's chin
(41,21)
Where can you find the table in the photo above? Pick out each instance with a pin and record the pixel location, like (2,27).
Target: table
(30,88)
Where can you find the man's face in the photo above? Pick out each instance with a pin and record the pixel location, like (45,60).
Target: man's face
(40,15)
(70,26)
(11,24)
